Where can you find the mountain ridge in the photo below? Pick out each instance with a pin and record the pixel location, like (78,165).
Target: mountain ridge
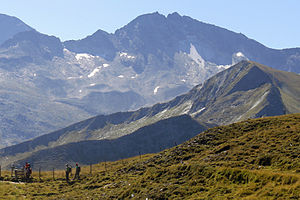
(10,26)
(171,131)
(206,32)
(220,100)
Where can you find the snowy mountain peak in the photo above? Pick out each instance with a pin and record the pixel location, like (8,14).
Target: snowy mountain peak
(239,54)
(237,57)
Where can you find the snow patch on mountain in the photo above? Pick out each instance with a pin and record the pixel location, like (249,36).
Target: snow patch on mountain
(156,90)
(133,77)
(239,54)
(73,77)
(222,67)
(96,70)
(66,50)
(237,57)
(125,55)
(198,111)
(259,100)
(187,107)
(121,76)
(80,56)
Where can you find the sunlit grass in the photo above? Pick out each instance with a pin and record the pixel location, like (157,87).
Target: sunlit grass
(255,159)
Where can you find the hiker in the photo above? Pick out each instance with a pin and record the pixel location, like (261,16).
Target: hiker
(28,171)
(27,165)
(68,171)
(77,172)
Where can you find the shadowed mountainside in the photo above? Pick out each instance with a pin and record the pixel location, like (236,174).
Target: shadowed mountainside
(149,139)
(232,95)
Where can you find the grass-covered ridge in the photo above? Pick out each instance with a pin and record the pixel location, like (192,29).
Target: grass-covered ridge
(254,159)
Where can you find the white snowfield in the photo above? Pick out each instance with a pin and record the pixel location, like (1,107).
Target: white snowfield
(198,111)
(239,54)
(96,70)
(80,56)
(156,90)
(124,54)
(222,67)
(259,100)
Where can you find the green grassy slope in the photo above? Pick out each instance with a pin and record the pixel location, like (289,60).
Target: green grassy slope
(254,159)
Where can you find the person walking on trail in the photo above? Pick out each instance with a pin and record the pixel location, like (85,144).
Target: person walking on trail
(28,171)
(77,172)
(68,171)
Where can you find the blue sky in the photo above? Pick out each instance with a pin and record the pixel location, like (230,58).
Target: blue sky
(274,23)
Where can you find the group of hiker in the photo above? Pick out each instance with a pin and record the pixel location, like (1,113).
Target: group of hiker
(28,171)
(69,171)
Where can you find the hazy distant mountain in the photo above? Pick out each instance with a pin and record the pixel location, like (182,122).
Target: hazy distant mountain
(29,47)
(10,26)
(246,90)
(164,37)
(47,84)
(29,85)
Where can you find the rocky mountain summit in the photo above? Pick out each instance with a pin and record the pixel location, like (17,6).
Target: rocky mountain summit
(10,26)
